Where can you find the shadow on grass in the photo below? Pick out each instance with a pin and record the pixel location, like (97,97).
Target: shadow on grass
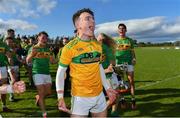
(156,103)
(158,91)
(53,74)
(35,112)
(154,109)
(143,81)
(52,111)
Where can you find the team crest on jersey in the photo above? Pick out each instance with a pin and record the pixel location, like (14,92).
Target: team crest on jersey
(42,55)
(80,49)
(123,47)
(90,58)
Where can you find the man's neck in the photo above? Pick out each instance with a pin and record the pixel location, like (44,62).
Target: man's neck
(84,37)
(122,36)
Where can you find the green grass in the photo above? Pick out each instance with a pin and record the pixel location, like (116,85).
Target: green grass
(157,78)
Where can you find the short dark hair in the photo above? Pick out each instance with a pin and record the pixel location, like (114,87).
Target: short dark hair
(24,37)
(79,12)
(122,24)
(75,31)
(66,38)
(32,37)
(10,30)
(43,32)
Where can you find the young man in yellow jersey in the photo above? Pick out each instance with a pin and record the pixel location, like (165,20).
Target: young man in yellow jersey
(82,55)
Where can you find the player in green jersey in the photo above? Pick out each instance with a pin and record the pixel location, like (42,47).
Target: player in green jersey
(125,55)
(5,60)
(40,56)
(15,65)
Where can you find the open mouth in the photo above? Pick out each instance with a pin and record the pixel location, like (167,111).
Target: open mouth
(121,32)
(91,28)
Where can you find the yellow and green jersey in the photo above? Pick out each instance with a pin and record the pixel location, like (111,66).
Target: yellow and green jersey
(83,58)
(124,50)
(3,58)
(24,45)
(41,60)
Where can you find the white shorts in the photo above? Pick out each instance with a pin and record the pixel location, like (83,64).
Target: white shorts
(130,68)
(113,81)
(40,79)
(3,72)
(84,105)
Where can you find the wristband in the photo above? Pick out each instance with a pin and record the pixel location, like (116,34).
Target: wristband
(60,94)
(60,98)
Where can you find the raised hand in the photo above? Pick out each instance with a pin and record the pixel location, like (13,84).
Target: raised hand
(19,87)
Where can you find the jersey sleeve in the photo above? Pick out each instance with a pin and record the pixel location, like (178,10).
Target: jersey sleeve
(66,57)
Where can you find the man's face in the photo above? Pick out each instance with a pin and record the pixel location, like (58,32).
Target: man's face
(42,39)
(121,31)
(86,24)
(11,34)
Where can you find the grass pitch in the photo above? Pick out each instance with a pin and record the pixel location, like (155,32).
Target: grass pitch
(157,78)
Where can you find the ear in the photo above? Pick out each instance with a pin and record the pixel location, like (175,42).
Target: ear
(77,25)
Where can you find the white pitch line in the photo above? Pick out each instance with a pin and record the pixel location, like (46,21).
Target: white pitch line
(157,82)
